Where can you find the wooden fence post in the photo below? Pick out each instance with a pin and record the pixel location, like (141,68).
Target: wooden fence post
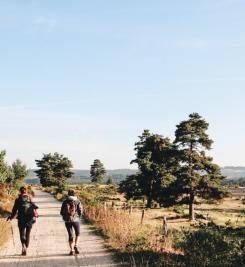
(142,216)
(165,226)
(130,209)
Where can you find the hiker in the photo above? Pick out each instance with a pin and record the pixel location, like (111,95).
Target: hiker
(26,212)
(71,212)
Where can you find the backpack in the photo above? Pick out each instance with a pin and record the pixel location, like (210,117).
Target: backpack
(27,210)
(69,211)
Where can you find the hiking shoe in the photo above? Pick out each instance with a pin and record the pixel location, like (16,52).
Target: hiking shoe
(76,250)
(71,253)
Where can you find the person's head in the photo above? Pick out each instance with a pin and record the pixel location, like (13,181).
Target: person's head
(72,193)
(23,190)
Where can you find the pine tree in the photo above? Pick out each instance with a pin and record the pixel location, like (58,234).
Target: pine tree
(197,175)
(154,159)
(54,169)
(97,171)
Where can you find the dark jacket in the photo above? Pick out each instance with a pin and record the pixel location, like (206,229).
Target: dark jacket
(78,210)
(23,218)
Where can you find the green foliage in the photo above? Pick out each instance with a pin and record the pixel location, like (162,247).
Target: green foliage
(130,187)
(206,248)
(19,170)
(6,174)
(93,194)
(213,246)
(54,170)
(140,242)
(197,175)
(154,156)
(97,171)
(171,173)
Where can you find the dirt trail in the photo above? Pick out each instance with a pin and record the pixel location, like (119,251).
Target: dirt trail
(49,246)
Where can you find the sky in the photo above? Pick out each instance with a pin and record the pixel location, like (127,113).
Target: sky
(85,78)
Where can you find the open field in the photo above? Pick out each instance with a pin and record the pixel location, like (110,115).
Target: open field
(227,212)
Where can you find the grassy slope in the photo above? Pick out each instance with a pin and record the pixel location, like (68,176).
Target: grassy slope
(6,204)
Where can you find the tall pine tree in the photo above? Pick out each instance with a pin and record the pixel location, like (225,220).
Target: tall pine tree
(197,175)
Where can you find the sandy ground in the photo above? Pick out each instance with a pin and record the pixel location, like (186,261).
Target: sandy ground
(49,246)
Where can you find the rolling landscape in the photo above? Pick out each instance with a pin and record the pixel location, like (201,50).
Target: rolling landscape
(83,176)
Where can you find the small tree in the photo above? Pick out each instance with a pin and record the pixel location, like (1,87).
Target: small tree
(97,171)
(197,175)
(6,174)
(19,170)
(54,170)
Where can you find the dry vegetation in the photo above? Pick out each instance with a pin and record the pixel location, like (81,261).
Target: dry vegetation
(6,204)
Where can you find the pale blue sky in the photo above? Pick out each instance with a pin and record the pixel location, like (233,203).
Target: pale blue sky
(84,78)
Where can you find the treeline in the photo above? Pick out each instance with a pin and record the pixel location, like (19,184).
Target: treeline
(14,174)
(175,172)
(55,170)
(235,182)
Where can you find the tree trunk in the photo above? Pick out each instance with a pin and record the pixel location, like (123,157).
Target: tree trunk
(149,201)
(191,207)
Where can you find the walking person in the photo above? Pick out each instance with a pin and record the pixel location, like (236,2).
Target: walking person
(71,212)
(26,212)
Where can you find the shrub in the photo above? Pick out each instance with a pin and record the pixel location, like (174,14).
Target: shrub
(206,247)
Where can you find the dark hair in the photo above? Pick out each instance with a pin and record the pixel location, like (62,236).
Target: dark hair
(23,190)
(71,192)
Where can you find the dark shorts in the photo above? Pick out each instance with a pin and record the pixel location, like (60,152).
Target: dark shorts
(70,226)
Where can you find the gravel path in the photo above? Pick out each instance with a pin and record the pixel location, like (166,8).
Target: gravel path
(49,246)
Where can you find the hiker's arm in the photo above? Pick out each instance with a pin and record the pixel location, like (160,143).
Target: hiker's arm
(79,209)
(14,210)
(62,209)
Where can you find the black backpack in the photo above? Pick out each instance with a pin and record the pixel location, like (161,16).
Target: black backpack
(26,209)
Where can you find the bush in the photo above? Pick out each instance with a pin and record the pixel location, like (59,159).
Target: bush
(207,247)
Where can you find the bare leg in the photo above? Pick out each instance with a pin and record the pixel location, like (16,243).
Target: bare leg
(71,243)
(77,240)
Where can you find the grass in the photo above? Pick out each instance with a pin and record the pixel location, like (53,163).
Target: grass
(6,204)
(4,231)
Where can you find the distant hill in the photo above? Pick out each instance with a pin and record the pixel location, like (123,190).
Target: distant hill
(82,176)
(233,172)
